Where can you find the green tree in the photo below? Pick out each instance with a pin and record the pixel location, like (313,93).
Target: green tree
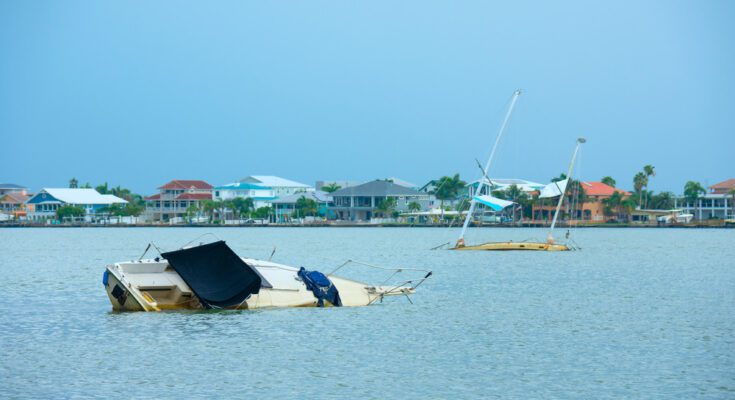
(261,213)
(662,201)
(69,212)
(102,189)
(731,192)
(192,210)
(306,207)
(516,195)
(618,206)
(650,171)
(386,207)
(241,206)
(608,180)
(331,188)
(448,189)
(414,206)
(692,192)
(640,180)
(208,206)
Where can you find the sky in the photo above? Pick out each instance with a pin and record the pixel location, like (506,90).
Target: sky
(137,93)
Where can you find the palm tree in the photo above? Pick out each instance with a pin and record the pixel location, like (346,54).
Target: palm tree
(241,206)
(692,192)
(414,206)
(627,205)
(448,188)
(731,192)
(306,207)
(331,188)
(191,211)
(640,180)
(608,180)
(650,171)
(102,189)
(612,204)
(386,206)
(516,195)
(663,201)
(208,207)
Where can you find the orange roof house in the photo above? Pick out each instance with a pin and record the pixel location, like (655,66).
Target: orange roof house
(723,187)
(590,210)
(600,190)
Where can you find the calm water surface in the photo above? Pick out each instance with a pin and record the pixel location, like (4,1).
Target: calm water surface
(639,313)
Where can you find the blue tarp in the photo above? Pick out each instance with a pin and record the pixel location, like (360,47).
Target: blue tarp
(321,286)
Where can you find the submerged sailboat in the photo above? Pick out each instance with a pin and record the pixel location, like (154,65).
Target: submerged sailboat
(212,276)
(496,204)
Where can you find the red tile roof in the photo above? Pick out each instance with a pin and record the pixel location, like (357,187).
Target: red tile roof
(601,189)
(186,184)
(194,196)
(724,185)
(156,196)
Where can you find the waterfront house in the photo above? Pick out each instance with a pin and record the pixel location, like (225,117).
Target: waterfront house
(12,201)
(261,195)
(175,198)
(13,206)
(717,204)
(284,207)
(593,208)
(360,202)
(279,186)
(723,187)
(48,200)
(7,188)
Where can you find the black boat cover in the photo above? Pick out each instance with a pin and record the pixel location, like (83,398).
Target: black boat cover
(215,273)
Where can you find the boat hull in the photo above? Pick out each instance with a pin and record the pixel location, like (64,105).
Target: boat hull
(153,286)
(515,246)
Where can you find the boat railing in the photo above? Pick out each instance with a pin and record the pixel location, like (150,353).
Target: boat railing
(411,283)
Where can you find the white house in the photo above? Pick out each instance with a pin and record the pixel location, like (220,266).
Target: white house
(280,186)
(261,195)
(43,205)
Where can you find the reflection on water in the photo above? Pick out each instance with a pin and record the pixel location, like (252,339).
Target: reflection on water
(637,313)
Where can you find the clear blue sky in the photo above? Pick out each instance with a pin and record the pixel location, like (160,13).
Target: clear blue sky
(137,92)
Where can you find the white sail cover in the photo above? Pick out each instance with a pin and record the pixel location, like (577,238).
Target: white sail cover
(493,202)
(553,189)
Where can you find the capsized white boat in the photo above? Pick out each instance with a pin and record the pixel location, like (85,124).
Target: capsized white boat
(212,276)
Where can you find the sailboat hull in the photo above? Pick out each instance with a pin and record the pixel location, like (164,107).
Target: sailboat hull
(515,246)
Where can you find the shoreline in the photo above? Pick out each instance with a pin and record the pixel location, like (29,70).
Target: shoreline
(387,225)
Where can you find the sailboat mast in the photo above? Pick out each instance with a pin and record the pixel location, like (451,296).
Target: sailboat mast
(550,237)
(473,203)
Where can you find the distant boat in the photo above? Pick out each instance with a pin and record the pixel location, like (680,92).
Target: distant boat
(212,276)
(551,190)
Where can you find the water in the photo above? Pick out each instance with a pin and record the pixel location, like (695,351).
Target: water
(639,313)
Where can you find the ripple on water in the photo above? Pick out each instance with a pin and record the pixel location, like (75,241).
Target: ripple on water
(632,315)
